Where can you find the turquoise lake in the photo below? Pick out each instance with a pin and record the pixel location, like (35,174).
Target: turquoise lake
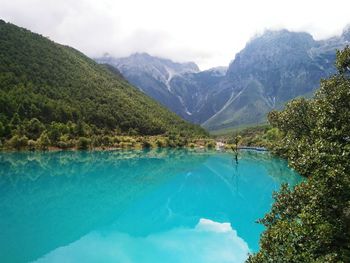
(135,206)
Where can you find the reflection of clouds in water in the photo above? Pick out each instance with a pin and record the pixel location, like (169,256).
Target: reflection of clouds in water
(211,226)
(208,242)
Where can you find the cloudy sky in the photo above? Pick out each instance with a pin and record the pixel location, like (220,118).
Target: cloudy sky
(209,33)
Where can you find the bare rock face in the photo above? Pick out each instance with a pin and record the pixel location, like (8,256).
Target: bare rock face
(272,69)
(153,75)
(346,34)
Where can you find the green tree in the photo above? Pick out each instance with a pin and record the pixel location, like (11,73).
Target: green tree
(343,60)
(44,141)
(18,142)
(146,144)
(80,129)
(34,128)
(44,82)
(32,145)
(2,130)
(311,223)
(84,143)
(16,120)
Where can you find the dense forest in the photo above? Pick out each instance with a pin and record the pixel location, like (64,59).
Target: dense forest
(53,95)
(311,223)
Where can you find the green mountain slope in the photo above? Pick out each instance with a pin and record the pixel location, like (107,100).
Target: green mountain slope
(55,83)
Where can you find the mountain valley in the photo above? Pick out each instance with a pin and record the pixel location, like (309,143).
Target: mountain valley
(272,69)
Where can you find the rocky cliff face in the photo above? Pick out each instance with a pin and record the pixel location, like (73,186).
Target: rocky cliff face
(272,69)
(178,86)
(195,91)
(153,75)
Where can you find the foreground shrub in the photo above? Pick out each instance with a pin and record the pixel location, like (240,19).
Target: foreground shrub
(311,223)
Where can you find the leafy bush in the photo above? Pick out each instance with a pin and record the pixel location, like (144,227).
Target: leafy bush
(191,145)
(107,141)
(160,142)
(32,145)
(146,144)
(43,142)
(65,143)
(311,223)
(18,142)
(211,144)
(83,143)
(116,140)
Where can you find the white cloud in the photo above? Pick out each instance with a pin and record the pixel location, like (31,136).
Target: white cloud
(208,242)
(207,32)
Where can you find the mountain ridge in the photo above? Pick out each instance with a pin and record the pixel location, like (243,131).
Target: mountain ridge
(153,75)
(271,69)
(274,67)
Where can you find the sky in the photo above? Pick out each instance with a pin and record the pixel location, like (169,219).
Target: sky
(209,33)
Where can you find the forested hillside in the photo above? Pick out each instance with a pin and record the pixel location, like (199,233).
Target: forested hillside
(54,91)
(311,223)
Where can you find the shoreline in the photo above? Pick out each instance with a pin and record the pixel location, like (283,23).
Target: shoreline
(220,148)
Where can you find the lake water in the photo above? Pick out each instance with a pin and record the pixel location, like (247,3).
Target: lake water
(135,206)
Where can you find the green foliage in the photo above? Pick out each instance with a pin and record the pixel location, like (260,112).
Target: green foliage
(210,144)
(18,142)
(343,60)
(192,145)
(83,143)
(48,87)
(107,141)
(260,136)
(273,135)
(43,142)
(236,140)
(32,145)
(160,143)
(34,128)
(65,143)
(146,144)
(2,130)
(15,121)
(311,223)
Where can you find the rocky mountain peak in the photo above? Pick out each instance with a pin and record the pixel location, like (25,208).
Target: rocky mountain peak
(272,49)
(346,33)
(281,39)
(273,68)
(218,71)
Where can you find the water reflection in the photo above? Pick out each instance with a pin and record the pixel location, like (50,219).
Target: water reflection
(208,241)
(134,198)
